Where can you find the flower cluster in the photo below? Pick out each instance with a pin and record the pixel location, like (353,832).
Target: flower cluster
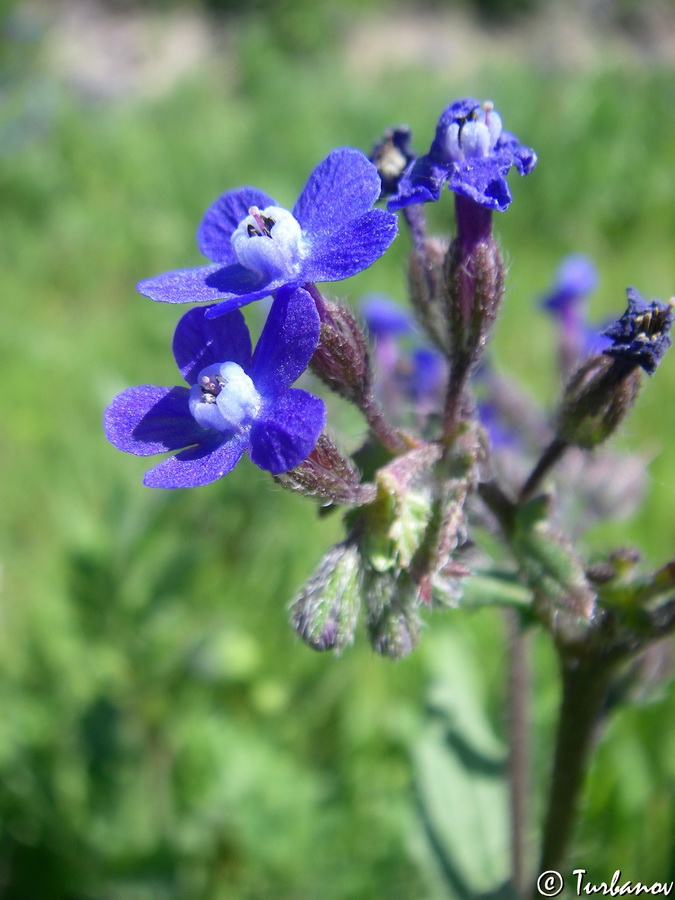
(451,442)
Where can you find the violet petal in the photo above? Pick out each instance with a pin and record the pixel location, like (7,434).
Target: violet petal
(148,419)
(351,248)
(198,465)
(222,218)
(288,431)
(287,342)
(343,186)
(199,342)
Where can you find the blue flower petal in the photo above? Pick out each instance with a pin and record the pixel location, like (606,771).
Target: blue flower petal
(199,342)
(204,284)
(147,419)
(384,317)
(287,432)
(287,342)
(421,183)
(221,220)
(481,180)
(351,248)
(343,186)
(198,465)
(226,306)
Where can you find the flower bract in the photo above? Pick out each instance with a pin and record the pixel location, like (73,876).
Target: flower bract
(258,246)
(472,154)
(235,400)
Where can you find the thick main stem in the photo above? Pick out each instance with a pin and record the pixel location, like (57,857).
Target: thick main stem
(585,682)
(519,755)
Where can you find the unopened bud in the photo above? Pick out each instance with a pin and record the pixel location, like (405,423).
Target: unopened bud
(474,291)
(325,611)
(426,280)
(327,475)
(596,400)
(341,360)
(393,622)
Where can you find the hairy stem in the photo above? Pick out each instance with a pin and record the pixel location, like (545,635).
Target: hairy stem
(547,460)
(388,436)
(519,755)
(585,682)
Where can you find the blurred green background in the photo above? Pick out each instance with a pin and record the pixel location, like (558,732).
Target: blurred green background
(163,734)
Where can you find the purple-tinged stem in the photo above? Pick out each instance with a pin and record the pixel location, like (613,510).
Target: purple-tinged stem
(519,750)
(585,683)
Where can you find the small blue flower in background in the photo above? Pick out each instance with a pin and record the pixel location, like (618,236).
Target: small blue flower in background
(235,401)
(412,378)
(472,154)
(566,302)
(575,279)
(258,246)
(641,335)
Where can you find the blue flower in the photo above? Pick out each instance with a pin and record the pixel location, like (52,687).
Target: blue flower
(258,246)
(472,154)
(235,401)
(413,378)
(640,337)
(576,278)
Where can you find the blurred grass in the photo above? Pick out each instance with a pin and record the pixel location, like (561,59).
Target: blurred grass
(163,733)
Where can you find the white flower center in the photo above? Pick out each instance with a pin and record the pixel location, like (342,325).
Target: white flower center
(269,242)
(475,136)
(224,398)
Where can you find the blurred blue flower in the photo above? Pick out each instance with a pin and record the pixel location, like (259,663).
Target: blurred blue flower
(641,336)
(408,377)
(566,302)
(235,401)
(576,278)
(472,154)
(257,246)
(385,318)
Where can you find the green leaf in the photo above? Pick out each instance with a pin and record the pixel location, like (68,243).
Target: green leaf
(460,777)
(495,589)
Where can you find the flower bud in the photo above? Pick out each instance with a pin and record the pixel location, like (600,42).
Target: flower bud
(327,475)
(325,611)
(341,359)
(596,399)
(393,622)
(426,281)
(474,288)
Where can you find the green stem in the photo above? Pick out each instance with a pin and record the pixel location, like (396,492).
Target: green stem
(548,459)
(585,682)
(519,756)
